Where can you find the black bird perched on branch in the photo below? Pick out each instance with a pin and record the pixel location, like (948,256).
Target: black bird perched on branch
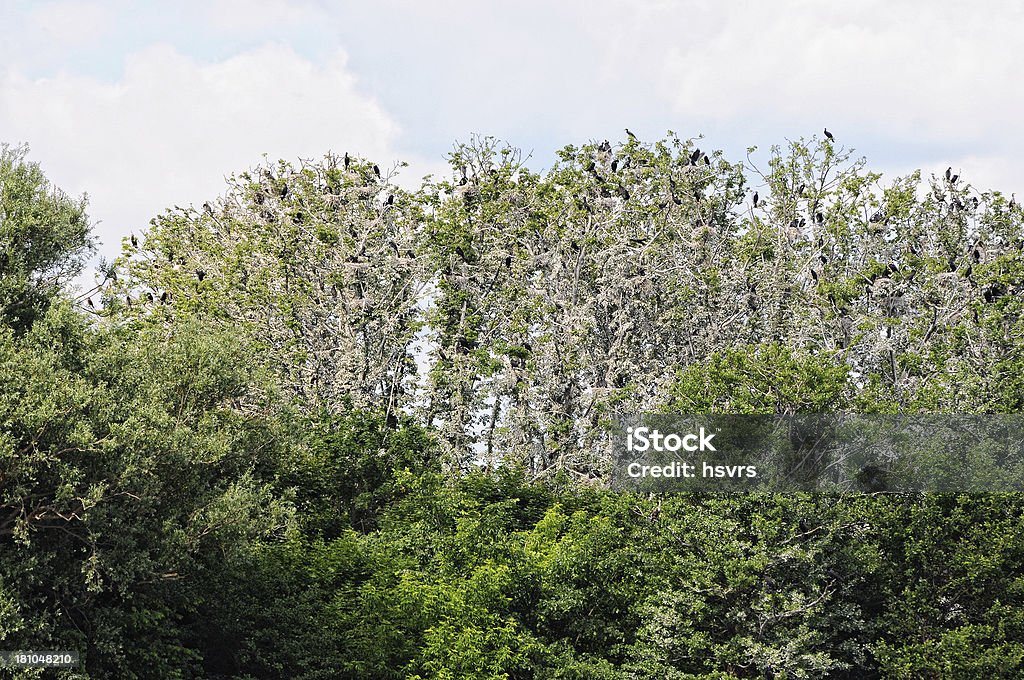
(391,200)
(165,297)
(615,164)
(695,156)
(800,189)
(89,304)
(829,136)
(756,198)
(200,274)
(135,241)
(376,170)
(208,209)
(630,135)
(347,160)
(149,297)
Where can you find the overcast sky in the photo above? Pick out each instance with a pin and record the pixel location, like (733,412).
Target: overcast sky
(146,105)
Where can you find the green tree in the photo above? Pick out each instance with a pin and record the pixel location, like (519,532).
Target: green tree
(44,239)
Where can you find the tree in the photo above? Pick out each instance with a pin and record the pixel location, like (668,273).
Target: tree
(315,267)
(44,239)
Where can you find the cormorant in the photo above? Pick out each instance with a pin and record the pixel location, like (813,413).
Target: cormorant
(829,136)
(630,134)
(756,198)
(376,170)
(135,241)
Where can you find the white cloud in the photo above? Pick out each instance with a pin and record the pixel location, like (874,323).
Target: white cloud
(171,128)
(890,67)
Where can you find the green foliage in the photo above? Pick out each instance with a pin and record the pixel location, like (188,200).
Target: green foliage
(44,239)
(245,477)
(124,476)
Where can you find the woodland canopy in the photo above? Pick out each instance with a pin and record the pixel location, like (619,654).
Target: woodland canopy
(323,426)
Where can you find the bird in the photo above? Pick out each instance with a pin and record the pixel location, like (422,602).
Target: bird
(829,135)
(347,160)
(756,198)
(128,301)
(814,275)
(149,297)
(800,189)
(615,164)
(89,304)
(707,161)
(949,172)
(819,218)
(630,135)
(207,208)
(200,274)
(164,297)
(376,170)
(695,156)
(953,179)
(391,200)
(135,241)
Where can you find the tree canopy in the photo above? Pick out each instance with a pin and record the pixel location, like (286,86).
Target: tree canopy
(323,426)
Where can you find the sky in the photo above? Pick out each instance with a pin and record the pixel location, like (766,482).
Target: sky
(146,105)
